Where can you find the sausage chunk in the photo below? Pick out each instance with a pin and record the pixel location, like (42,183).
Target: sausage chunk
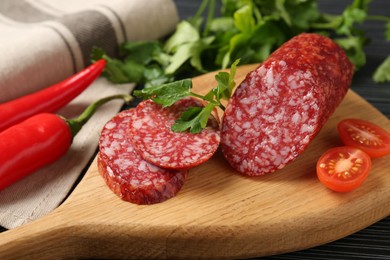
(126,173)
(282,105)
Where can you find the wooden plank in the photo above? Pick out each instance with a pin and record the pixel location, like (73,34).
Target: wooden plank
(218,213)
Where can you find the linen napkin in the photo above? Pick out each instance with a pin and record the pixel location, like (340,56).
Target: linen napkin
(45,41)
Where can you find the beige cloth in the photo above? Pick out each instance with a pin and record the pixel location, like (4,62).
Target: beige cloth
(41,43)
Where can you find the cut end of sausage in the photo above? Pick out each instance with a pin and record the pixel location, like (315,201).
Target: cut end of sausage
(282,105)
(126,173)
(151,134)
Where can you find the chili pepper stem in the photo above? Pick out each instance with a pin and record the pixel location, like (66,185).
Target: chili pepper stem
(77,123)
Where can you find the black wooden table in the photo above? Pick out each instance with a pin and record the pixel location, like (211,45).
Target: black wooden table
(374,241)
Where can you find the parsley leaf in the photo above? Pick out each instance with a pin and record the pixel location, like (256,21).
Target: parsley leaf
(226,83)
(351,16)
(140,62)
(249,30)
(114,70)
(186,44)
(353,47)
(349,37)
(194,118)
(185,33)
(189,51)
(382,73)
(245,25)
(142,52)
(166,94)
(387,33)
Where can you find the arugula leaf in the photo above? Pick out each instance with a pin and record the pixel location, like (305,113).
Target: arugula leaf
(166,94)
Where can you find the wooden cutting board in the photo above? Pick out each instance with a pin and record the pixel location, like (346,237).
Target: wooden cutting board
(218,213)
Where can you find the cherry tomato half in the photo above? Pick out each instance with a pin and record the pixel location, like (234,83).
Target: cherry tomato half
(370,138)
(343,168)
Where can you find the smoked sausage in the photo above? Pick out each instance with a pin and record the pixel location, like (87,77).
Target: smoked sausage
(126,173)
(282,105)
(151,134)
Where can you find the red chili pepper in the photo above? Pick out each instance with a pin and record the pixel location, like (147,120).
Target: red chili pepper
(40,140)
(50,99)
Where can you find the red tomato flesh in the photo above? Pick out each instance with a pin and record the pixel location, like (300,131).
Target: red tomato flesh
(343,168)
(370,138)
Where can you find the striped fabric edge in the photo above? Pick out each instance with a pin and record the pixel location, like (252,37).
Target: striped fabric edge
(77,30)
(82,25)
(22,11)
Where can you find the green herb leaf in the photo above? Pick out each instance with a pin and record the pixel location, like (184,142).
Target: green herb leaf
(114,70)
(140,52)
(185,33)
(382,73)
(249,30)
(280,7)
(222,24)
(155,76)
(166,94)
(387,32)
(194,118)
(245,24)
(226,83)
(350,17)
(222,90)
(243,19)
(353,47)
(237,42)
(189,51)
(302,14)
(98,53)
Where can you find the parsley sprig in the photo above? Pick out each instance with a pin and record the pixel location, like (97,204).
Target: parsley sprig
(193,119)
(249,30)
